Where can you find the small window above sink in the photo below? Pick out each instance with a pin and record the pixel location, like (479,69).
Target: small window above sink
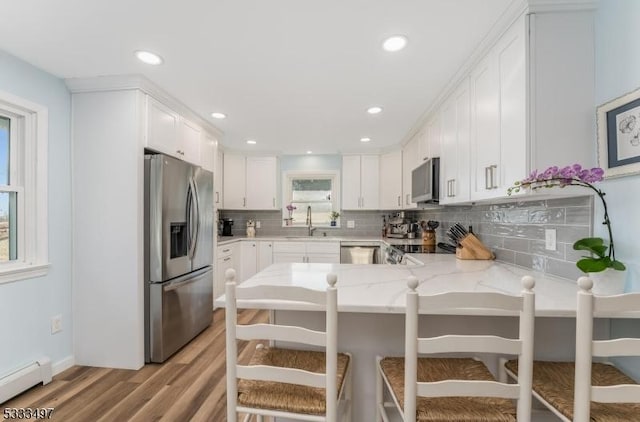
(318,190)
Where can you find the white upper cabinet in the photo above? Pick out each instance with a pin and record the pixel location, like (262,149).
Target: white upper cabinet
(529,103)
(350,182)
(170,133)
(190,141)
(454,160)
(163,128)
(249,182)
(360,182)
(498,110)
(218,177)
(433,137)
(410,160)
(391,180)
(261,183)
(208,153)
(234,182)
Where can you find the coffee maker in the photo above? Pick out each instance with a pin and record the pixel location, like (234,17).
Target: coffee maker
(227,223)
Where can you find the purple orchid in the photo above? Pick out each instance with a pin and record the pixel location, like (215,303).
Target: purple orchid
(573,175)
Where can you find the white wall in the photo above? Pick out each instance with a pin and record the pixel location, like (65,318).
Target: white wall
(618,72)
(26,306)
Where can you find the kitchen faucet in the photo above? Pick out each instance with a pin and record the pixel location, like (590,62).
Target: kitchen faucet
(311,228)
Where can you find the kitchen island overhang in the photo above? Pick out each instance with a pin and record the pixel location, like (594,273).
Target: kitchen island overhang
(371,305)
(382,288)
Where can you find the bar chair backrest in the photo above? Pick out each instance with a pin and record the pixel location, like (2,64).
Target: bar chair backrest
(589,306)
(524,305)
(327,340)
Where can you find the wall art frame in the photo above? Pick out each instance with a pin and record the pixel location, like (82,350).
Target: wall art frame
(618,128)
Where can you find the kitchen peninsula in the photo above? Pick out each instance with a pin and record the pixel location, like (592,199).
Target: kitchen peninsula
(371,302)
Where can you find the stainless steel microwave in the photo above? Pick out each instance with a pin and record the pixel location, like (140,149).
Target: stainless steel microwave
(425,181)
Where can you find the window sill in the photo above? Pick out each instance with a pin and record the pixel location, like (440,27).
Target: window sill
(16,272)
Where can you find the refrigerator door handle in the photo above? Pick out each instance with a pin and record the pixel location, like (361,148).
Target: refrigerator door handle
(192,278)
(189,222)
(191,227)
(196,198)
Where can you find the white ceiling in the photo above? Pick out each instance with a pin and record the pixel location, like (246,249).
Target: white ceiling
(294,75)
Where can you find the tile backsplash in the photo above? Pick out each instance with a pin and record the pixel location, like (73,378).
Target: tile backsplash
(367,223)
(515,231)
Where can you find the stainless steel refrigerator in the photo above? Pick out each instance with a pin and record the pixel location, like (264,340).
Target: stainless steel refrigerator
(179,223)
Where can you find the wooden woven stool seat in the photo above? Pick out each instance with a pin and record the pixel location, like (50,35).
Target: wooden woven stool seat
(447,409)
(289,397)
(554,382)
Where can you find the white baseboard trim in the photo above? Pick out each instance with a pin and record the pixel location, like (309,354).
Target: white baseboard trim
(63,364)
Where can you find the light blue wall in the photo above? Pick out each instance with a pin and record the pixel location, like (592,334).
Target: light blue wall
(618,72)
(26,306)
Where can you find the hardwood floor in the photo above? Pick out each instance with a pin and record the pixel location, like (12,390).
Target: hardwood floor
(189,386)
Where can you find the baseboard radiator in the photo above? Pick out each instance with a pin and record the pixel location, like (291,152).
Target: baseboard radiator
(24,378)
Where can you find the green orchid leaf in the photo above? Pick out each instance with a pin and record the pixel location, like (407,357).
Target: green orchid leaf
(595,245)
(591,265)
(617,265)
(587,243)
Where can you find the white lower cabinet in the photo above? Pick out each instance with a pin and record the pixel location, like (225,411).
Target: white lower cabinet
(226,258)
(255,256)
(248,259)
(265,254)
(303,252)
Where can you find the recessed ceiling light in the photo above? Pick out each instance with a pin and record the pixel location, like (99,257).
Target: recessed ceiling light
(218,115)
(251,142)
(395,43)
(374,110)
(365,139)
(309,152)
(149,57)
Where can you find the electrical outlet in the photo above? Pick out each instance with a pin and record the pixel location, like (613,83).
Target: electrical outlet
(550,239)
(56,324)
(257,224)
(351,224)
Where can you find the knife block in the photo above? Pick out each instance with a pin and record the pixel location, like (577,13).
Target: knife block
(472,248)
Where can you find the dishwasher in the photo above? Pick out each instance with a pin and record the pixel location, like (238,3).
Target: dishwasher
(360,253)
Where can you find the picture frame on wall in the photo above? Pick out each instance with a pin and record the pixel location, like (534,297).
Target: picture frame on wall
(619,135)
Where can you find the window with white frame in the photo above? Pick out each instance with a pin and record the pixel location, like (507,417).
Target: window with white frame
(316,193)
(23,190)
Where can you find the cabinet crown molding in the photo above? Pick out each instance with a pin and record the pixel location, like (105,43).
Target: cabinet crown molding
(139,82)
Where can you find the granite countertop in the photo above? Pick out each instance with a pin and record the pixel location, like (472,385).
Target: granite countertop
(382,288)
